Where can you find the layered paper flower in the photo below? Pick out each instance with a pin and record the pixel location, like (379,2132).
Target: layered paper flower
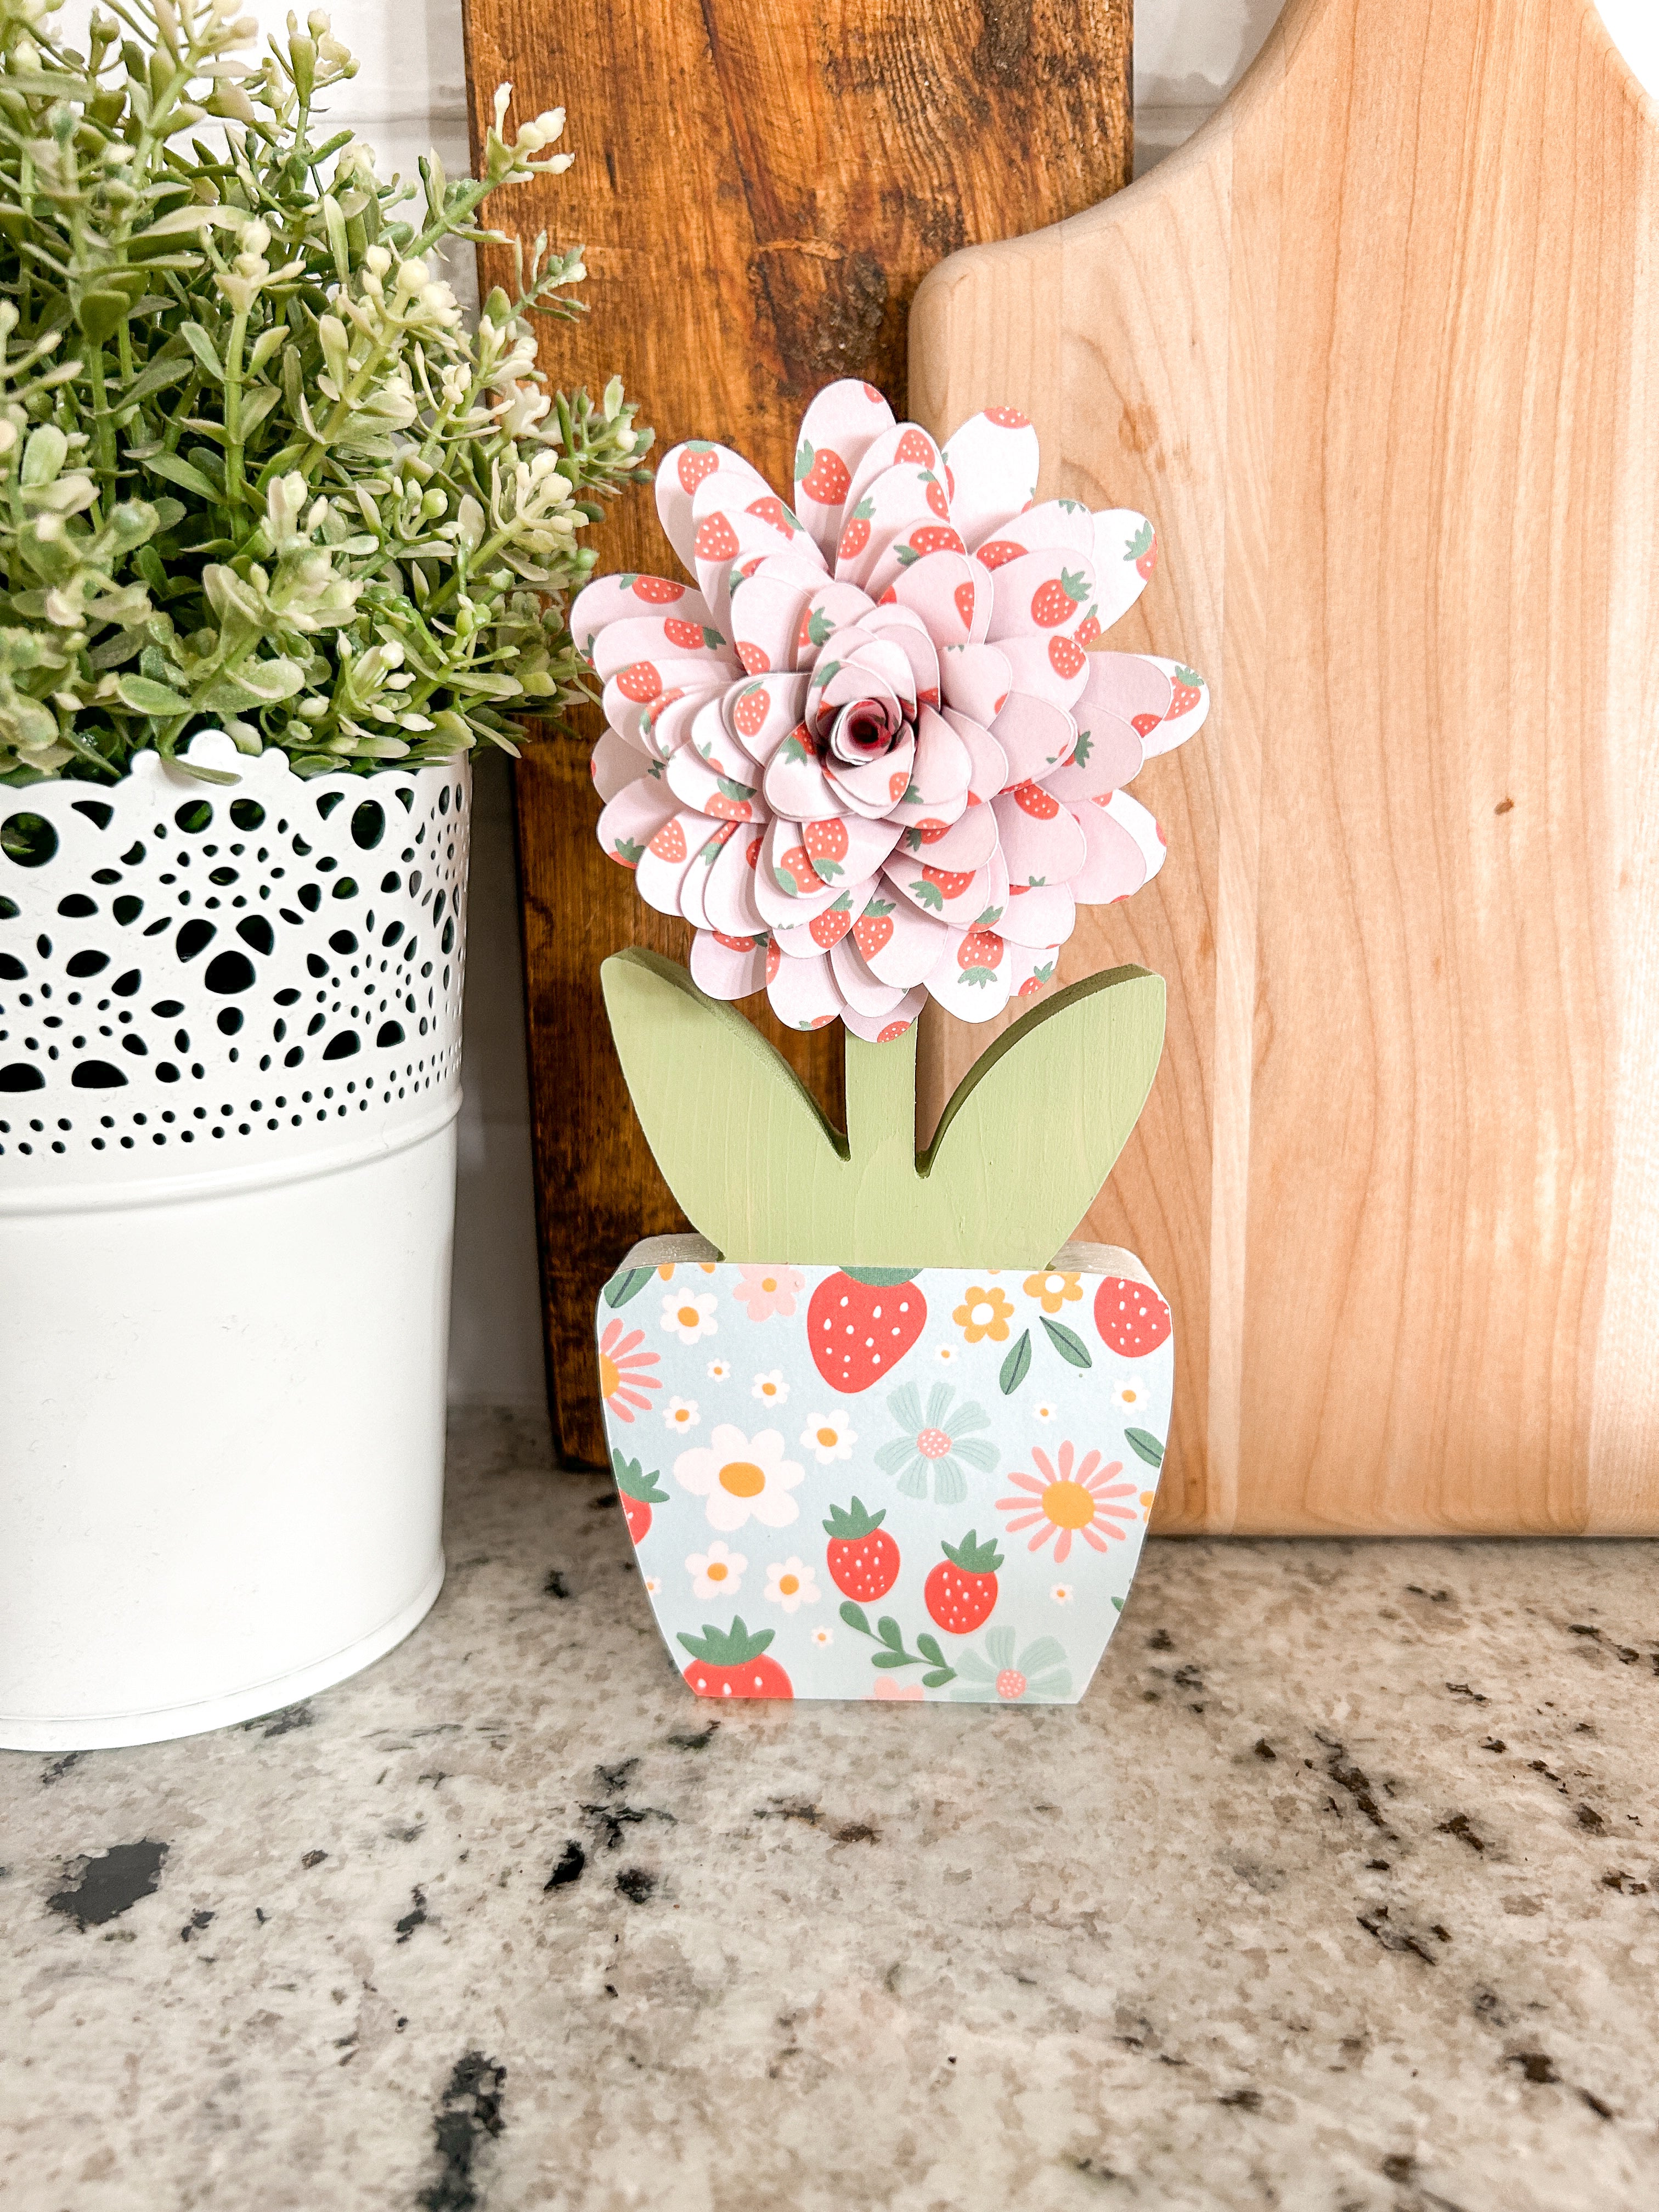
(869,758)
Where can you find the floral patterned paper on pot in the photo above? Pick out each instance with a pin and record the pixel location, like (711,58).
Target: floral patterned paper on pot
(863,1483)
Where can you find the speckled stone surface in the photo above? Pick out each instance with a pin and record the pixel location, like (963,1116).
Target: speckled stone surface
(1338,1891)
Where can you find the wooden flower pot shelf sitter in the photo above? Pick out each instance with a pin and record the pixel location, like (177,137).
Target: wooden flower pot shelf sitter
(877,755)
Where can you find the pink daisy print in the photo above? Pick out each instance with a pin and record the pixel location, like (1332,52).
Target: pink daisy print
(769,1291)
(1078,1499)
(623,1376)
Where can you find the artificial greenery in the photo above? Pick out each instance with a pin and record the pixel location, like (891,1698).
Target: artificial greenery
(258,475)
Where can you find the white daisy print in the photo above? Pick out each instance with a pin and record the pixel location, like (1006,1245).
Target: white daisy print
(719,1370)
(946,1355)
(653,1584)
(1063,1593)
(822,1638)
(791,1585)
(1045,1410)
(771,1389)
(681,1414)
(742,1477)
(690,1314)
(828,1438)
(716,1572)
(1130,1399)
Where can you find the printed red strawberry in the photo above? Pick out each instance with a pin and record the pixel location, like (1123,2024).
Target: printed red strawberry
(792,872)
(1088,629)
(914,449)
(659,706)
(980,955)
(733,803)
(754,659)
(961,1593)
(736,943)
(752,707)
(1143,725)
(1006,419)
(639,681)
(1188,690)
(998,552)
(862,1557)
(1132,1319)
(1032,799)
(692,636)
(1058,598)
(1065,657)
(855,533)
(730,1663)
(872,929)
(774,958)
(833,924)
(950,882)
(715,540)
(1035,982)
(826,847)
(860,1322)
(772,510)
(669,843)
(656,591)
(897,784)
(1142,549)
(697,459)
(893,1030)
(815,629)
(964,598)
(936,495)
(822,474)
(640,1493)
(932,537)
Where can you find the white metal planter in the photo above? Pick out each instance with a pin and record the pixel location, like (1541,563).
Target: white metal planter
(229,1075)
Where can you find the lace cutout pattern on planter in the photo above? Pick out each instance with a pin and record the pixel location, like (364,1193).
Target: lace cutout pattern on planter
(196,974)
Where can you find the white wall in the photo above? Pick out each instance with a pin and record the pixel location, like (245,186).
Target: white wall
(410,94)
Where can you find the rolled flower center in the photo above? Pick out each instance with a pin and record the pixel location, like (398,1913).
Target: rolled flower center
(865,731)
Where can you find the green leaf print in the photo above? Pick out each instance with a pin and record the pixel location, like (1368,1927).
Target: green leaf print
(1066,1342)
(1016,1366)
(1145,1446)
(626,1285)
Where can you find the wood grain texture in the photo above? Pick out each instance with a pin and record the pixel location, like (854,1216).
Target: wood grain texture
(761,184)
(1377,351)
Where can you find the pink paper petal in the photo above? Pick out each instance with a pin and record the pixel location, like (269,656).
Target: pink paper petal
(796,784)
(1055,668)
(878,787)
(1042,594)
(907,632)
(969,841)
(805,941)
(660,638)
(617,763)
(959,897)
(728,898)
(907,445)
(724,798)
(969,978)
(864,991)
(1143,826)
(644,683)
(1031,968)
(989,771)
(682,469)
(899,944)
(667,723)
(761,713)
(836,431)
(1039,914)
(766,614)
(1062,522)
(634,817)
(992,460)
(621,599)
(672,851)
(1115,866)
(802,993)
(1035,734)
(1107,754)
(787,888)
(1185,715)
(945,590)
(883,1029)
(974,679)
(899,502)
(1040,839)
(694,885)
(1125,553)
(727,967)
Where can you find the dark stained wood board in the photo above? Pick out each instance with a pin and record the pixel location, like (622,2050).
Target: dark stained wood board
(761,185)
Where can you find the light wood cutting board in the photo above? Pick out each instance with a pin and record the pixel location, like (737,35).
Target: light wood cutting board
(1379,352)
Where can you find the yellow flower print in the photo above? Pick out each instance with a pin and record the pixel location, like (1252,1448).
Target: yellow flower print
(1055,1291)
(984,1313)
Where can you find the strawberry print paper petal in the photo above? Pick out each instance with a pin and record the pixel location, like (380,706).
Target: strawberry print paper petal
(967,842)
(970,978)
(728,967)
(992,460)
(1042,914)
(882,1028)
(989,770)
(682,470)
(974,679)
(787,888)
(619,599)
(1116,866)
(694,885)
(953,895)
(906,634)
(838,428)
(1041,840)
(663,863)
(833,607)
(1053,667)
(643,682)
(1107,754)
(1042,594)
(906,446)
(802,993)
(900,946)
(1035,736)
(1188,711)
(896,501)
(1131,685)
(634,817)
(865,993)
(1125,553)
(616,764)
(666,724)
(804,940)
(796,784)
(944,591)
(761,715)
(1031,969)
(1142,825)
(659,639)
(921,541)
(723,798)
(880,785)
(847,848)
(766,618)
(728,896)
(941,773)
(1062,522)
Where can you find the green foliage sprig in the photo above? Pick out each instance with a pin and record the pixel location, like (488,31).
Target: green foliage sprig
(256,473)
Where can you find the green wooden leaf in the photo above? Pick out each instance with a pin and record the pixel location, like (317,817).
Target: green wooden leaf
(1016,1365)
(626,1285)
(1066,1342)
(1088,1056)
(1145,1446)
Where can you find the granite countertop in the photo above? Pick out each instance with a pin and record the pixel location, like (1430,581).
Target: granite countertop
(1340,1891)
